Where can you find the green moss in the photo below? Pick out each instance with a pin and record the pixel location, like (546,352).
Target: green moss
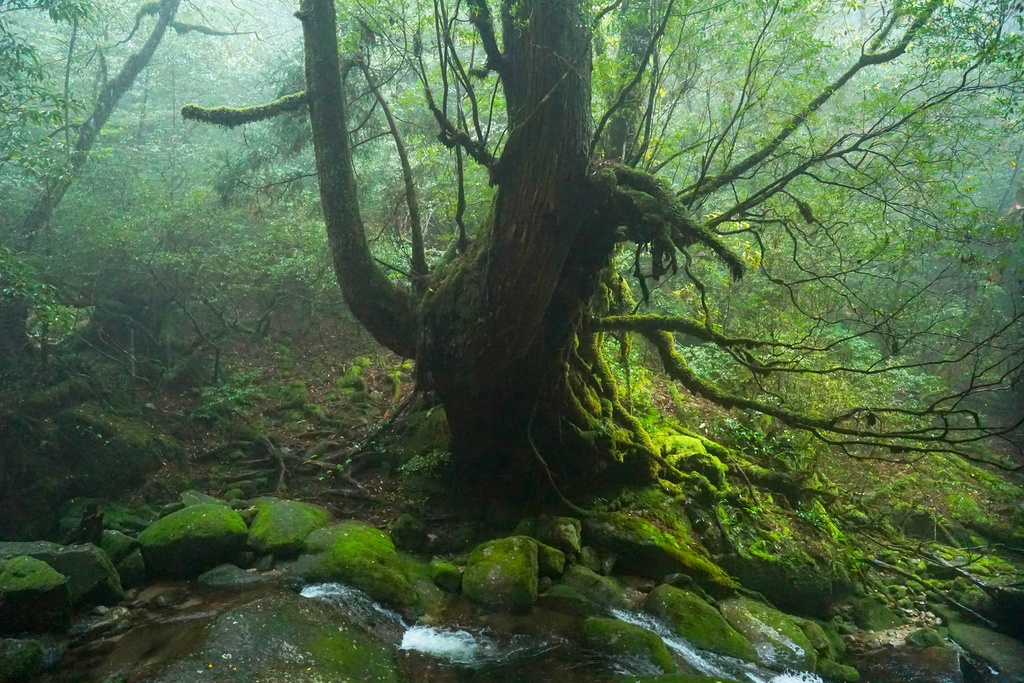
(20,659)
(834,672)
(601,590)
(871,614)
(190,541)
(648,550)
(281,526)
(446,575)
(503,573)
(617,638)
(27,574)
(550,561)
(778,639)
(361,556)
(698,622)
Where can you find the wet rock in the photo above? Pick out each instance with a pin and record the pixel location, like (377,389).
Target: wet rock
(796,582)
(550,561)
(698,622)
(358,555)
(34,597)
(230,577)
(281,526)
(778,640)
(617,638)
(1002,653)
(503,573)
(92,577)
(132,569)
(900,665)
(186,543)
(871,614)
(283,637)
(20,660)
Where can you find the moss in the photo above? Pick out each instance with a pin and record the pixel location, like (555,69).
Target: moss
(834,672)
(617,638)
(647,550)
(20,659)
(353,381)
(598,589)
(698,622)
(871,614)
(778,639)
(503,573)
(550,561)
(409,534)
(188,542)
(1001,652)
(926,637)
(361,556)
(281,526)
(674,678)
(27,574)
(446,575)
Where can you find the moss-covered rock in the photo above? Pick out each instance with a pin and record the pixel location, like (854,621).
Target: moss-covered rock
(926,637)
(778,639)
(231,577)
(446,575)
(1002,653)
(117,544)
(20,660)
(674,678)
(599,590)
(620,639)
(193,497)
(698,622)
(871,614)
(834,672)
(503,573)
(132,569)
(92,577)
(792,580)
(408,534)
(281,526)
(361,556)
(33,596)
(186,543)
(563,533)
(284,637)
(550,561)
(646,550)
(566,599)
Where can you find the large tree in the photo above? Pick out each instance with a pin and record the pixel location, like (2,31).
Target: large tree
(506,330)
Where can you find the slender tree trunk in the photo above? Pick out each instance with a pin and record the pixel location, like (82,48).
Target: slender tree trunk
(39,217)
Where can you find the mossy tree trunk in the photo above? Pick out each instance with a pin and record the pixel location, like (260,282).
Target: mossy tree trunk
(497,333)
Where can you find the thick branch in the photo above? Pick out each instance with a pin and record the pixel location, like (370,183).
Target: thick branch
(866,59)
(382,307)
(230,117)
(480,17)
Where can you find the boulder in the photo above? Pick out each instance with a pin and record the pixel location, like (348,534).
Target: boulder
(446,575)
(620,639)
(871,614)
(20,660)
(117,545)
(550,561)
(503,573)
(132,569)
(409,534)
(600,590)
(281,526)
(646,550)
(186,543)
(33,596)
(360,556)
(231,577)
(995,650)
(777,638)
(794,581)
(698,622)
(92,578)
(193,497)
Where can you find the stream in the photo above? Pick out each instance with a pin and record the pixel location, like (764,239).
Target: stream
(177,633)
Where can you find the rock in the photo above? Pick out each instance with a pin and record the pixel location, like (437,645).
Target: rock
(132,569)
(698,622)
(1002,653)
(186,543)
(117,545)
(562,598)
(446,575)
(617,638)
(794,582)
(20,660)
(283,637)
(502,573)
(92,577)
(550,561)
(871,614)
(564,533)
(409,534)
(674,678)
(646,550)
(926,637)
(599,590)
(234,494)
(193,497)
(33,596)
(903,664)
(281,526)
(360,556)
(230,577)
(834,672)
(779,641)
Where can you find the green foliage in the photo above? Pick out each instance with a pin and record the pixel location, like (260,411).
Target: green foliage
(236,396)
